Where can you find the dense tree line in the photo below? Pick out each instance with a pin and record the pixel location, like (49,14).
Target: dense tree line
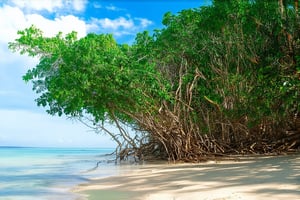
(216,80)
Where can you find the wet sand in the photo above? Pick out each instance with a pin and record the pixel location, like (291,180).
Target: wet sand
(248,178)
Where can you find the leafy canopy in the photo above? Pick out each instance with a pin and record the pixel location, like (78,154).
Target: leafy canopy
(93,75)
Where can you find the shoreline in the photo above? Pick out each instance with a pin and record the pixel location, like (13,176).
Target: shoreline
(268,177)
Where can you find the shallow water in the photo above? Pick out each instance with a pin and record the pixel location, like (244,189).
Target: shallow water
(49,173)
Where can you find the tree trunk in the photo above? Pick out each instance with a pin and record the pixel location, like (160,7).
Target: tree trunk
(296,4)
(281,7)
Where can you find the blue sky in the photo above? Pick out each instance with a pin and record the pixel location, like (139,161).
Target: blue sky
(22,123)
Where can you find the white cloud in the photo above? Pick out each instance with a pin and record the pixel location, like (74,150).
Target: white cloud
(120,26)
(15,20)
(65,24)
(48,5)
(79,5)
(144,22)
(114,8)
(115,24)
(97,5)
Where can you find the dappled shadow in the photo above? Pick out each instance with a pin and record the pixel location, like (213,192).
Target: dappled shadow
(266,177)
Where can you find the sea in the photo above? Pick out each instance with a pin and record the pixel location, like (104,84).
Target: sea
(31,173)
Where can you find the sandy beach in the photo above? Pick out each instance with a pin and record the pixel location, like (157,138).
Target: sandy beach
(248,178)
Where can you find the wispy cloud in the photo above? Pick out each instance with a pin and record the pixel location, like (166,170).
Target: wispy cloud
(114,8)
(144,22)
(78,5)
(50,5)
(120,26)
(110,7)
(115,24)
(97,5)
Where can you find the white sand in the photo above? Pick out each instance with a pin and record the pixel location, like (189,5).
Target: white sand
(274,178)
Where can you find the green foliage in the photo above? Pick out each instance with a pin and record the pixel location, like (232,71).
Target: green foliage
(242,51)
(91,75)
(224,70)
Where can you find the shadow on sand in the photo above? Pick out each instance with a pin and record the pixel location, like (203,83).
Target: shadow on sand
(249,178)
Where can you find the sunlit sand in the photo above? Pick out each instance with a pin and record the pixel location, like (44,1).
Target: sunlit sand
(248,178)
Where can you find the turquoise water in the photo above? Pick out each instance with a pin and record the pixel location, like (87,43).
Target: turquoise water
(49,173)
